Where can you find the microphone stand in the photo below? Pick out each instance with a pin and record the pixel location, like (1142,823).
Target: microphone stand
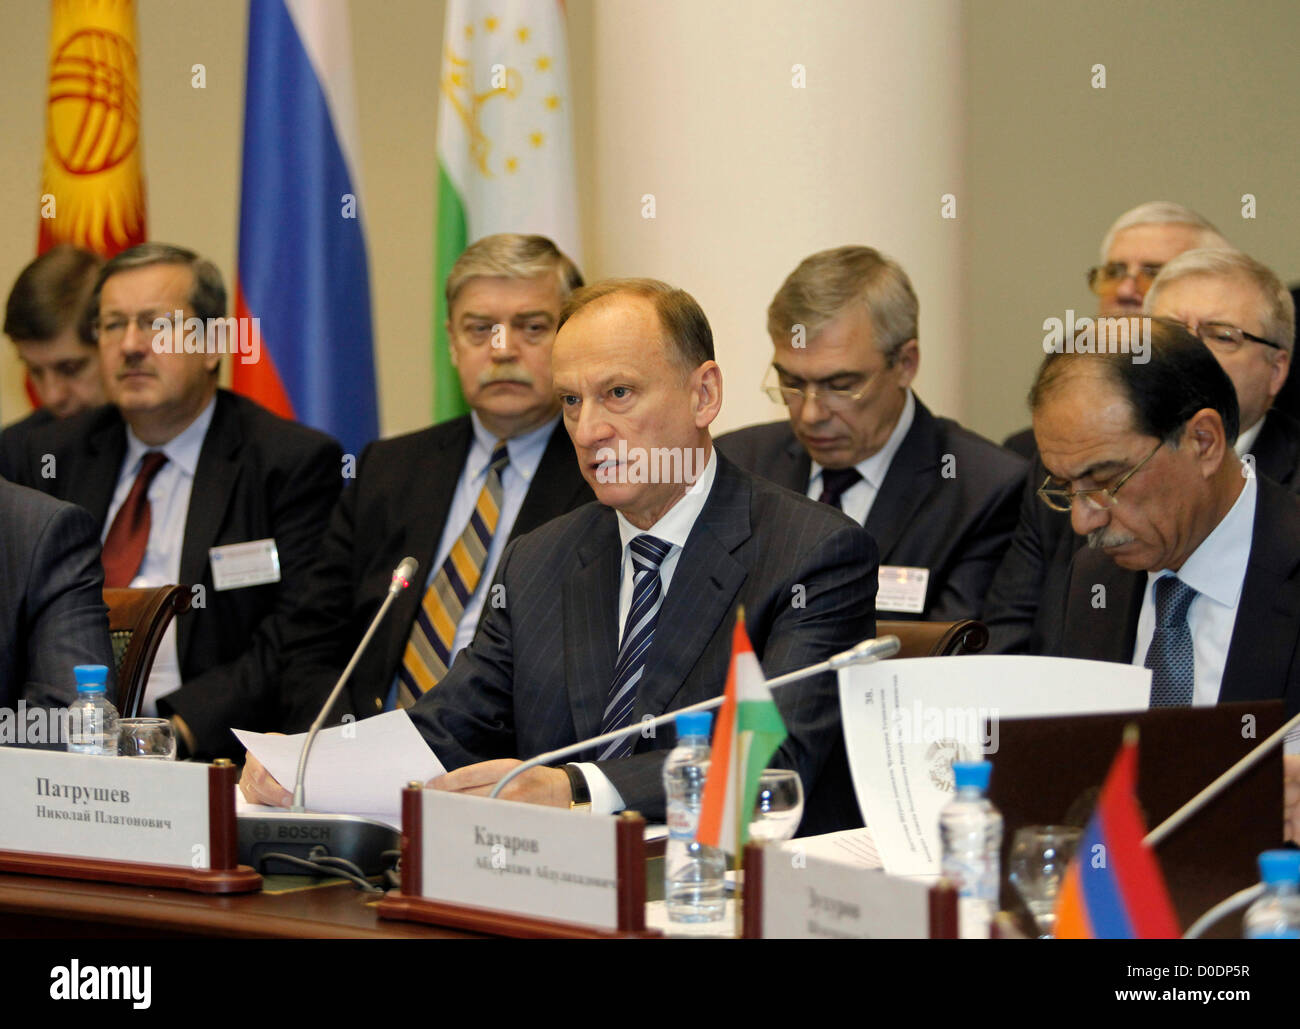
(863,653)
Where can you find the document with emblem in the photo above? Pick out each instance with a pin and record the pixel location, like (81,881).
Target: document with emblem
(906,722)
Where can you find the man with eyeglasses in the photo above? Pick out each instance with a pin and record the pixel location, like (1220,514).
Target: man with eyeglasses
(1141,241)
(1243,313)
(1192,567)
(1246,317)
(940,501)
(183,480)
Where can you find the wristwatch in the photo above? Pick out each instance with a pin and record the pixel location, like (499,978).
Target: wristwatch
(579,793)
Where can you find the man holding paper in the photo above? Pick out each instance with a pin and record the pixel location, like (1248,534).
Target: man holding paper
(625,607)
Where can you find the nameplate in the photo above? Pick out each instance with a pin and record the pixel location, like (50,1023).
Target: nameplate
(810,898)
(107,808)
(522,859)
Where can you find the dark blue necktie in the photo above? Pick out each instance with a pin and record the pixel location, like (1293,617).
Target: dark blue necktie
(1170,656)
(836,482)
(647,554)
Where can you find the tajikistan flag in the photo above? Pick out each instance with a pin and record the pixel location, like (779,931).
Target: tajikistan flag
(748,732)
(505,144)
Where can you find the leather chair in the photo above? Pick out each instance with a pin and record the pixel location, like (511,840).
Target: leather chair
(137,619)
(937,639)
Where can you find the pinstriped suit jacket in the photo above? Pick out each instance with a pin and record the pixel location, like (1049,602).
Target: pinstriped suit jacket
(538,672)
(52,614)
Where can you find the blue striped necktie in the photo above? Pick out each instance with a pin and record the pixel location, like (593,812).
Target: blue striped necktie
(1170,656)
(648,553)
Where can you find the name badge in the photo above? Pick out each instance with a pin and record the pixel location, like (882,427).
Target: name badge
(902,589)
(244,564)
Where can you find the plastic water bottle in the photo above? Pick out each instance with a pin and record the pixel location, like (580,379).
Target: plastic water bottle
(971,829)
(1276,915)
(92,721)
(694,875)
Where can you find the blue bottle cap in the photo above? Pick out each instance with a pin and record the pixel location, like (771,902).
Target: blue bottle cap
(694,723)
(91,677)
(1279,866)
(972,773)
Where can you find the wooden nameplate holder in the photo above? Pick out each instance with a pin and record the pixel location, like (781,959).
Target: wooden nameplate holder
(408,904)
(942,908)
(224,876)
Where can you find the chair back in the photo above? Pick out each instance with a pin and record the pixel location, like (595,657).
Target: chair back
(937,639)
(137,619)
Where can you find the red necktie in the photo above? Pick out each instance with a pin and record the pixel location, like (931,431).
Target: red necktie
(128,537)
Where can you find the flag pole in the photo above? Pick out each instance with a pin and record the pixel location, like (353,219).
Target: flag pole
(739,891)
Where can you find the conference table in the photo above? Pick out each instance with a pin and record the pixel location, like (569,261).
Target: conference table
(34,907)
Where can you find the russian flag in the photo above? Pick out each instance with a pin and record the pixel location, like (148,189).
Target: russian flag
(1113,889)
(302,249)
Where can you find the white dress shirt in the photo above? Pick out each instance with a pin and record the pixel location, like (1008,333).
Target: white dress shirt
(856,501)
(169,506)
(1216,570)
(525,455)
(1246,438)
(673,528)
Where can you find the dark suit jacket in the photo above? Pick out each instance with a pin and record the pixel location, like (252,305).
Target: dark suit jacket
(13,442)
(537,675)
(1263,661)
(1028,591)
(397,506)
(52,614)
(957,527)
(258,476)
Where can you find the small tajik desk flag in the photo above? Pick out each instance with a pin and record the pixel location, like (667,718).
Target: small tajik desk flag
(749,729)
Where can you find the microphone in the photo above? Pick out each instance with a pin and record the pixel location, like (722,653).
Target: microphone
(295,834)
(401,579)
(866,652)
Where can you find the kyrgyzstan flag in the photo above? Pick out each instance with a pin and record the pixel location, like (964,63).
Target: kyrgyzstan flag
(92,186)
(748,732)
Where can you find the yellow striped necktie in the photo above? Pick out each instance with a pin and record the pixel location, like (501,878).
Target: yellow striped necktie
(428,651)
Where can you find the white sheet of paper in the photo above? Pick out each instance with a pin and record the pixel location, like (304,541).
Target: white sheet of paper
(906,721)
(357,768)
(856,847)
(244,809)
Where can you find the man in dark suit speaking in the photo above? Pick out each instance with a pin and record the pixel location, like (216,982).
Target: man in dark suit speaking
(939,501)
(624,608)
(52,614)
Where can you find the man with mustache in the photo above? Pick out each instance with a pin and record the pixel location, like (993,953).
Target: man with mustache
(1192,563)
(174,470)
(1192,566)
(452,495)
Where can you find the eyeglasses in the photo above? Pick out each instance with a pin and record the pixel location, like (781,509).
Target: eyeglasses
(1099,499)
(1221,336)
(1105,279)
(114,328)
(831,399)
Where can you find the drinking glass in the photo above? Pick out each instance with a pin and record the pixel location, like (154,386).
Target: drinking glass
(151,738)
(1039,857)
(778,807)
